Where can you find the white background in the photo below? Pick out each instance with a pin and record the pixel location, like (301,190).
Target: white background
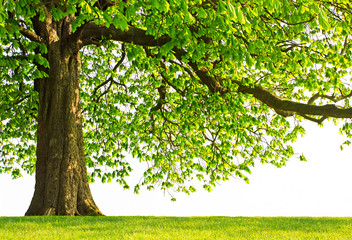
(319,187)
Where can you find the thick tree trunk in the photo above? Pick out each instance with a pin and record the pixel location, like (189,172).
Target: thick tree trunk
(61,176)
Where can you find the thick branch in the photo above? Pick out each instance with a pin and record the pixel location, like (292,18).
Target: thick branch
(203,73)
(93,33)
(31,35)
(263,95)
(162,96)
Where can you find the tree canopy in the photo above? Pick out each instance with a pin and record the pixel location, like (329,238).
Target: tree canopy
(198,89)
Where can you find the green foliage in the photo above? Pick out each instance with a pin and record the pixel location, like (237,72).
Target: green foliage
(293,49)
(175,228)
(18,103)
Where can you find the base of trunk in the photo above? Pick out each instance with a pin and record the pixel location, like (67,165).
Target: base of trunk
(85,209)
(69,199)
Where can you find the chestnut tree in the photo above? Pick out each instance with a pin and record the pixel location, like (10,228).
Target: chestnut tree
(197,89)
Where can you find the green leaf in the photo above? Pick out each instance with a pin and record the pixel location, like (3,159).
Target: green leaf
(120,22)
(323,21)
(42,15)
(240,17)
(202,13)
(271,67)
(249,60)
(231,11)
(302,158)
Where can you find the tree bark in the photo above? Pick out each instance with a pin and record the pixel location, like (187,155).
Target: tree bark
(61,175)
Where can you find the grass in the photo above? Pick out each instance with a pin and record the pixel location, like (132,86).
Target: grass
(174,228)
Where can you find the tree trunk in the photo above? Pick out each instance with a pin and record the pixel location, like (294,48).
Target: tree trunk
(61,175)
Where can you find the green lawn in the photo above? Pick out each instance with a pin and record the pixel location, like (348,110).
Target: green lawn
(174,228)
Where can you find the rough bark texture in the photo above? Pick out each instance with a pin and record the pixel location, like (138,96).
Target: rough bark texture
(61,175)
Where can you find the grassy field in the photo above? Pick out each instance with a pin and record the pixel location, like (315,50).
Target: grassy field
(174,228)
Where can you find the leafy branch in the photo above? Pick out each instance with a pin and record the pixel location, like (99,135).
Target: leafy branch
(110,79)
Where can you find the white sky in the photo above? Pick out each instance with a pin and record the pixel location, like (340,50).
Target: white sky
(319,187)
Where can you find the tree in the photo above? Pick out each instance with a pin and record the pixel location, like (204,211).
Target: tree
(196,88)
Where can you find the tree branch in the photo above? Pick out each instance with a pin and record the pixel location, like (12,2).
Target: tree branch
(263,95)
(31,35)
(149,54)
(203,74)
(18,102)
(319,121)
(93,33)
(110,79)
(331,98)
(283,107)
